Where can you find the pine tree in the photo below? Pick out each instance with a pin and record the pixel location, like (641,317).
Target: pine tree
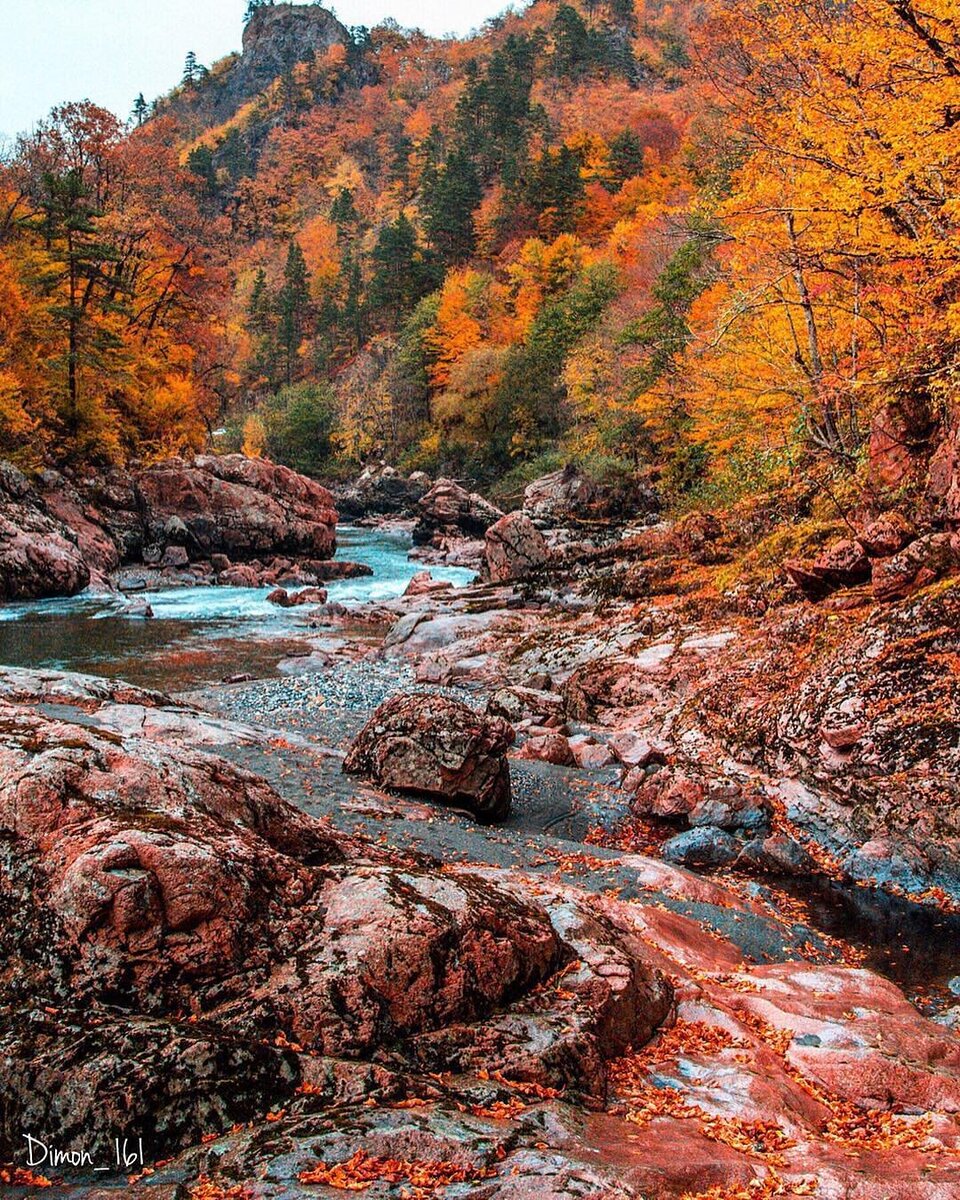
(403,272)
(354,308)
(191,68)
(450,202)
(663,332)
(626,156)
(344,215)
(573,49)
(201,164)
(69,226)
(234,156)
(260,307)
(141,110)
(293,305)
(261,316)
(252,7)
(556,191)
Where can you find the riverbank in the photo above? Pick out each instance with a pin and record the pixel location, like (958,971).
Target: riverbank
(368,978)
(773,1057)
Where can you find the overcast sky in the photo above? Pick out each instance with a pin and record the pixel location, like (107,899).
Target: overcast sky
(109,50)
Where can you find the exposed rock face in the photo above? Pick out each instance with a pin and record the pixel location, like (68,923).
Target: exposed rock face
(943,477)
(38,554)
(701,847)
(549,747)
(182,948)
(448,510)
(560,495)
(568,497)
(844,564)
(887,553)
(64,502)
(279,36)
(276,38)
(241,507)
(60,536)
(886,535)
(514,549)
(437,747)
(894,449)
(927,559)
(875,724)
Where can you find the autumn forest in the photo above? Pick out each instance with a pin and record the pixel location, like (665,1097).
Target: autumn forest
(711,238)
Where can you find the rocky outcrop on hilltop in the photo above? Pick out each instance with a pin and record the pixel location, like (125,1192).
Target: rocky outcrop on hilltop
(224,514)
(275,39)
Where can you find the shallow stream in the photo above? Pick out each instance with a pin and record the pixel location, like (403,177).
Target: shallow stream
(198,634)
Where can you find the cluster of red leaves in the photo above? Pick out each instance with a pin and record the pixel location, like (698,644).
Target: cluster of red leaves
(206,1189)
(568,864)
(524,1087)
(733,980)
(768,1187)
(758,1139)
(361,1171)
(499,1110)
(777,1040)
(630,1077)
(22,1177)
(849,1126)
(635,835)
(309,1089)
(856,1130)
(694,1039)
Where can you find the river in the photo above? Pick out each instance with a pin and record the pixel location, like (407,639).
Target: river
(198,634)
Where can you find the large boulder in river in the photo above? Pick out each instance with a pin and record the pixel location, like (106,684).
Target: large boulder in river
(38,554)
(434,746)
(514,548)
(242,507)
(382,491)
(448,510)
(63,501)
(63,533)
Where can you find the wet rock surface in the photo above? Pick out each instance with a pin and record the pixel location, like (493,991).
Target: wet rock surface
(166,907)
(38,554)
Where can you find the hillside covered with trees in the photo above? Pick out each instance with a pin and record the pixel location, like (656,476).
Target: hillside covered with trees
(480,612)
(713,240)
